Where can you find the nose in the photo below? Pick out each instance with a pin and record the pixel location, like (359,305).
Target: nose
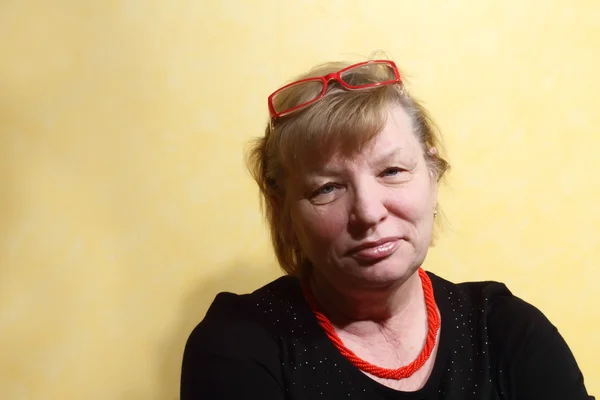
(368,206)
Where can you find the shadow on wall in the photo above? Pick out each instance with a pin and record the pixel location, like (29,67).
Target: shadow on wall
(238,278)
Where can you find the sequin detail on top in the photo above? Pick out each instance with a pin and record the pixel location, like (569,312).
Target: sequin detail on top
(312,367)
(433,322)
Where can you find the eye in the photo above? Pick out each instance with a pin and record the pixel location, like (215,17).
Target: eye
(393,171)
(325,189)
(326,194)
(395,175)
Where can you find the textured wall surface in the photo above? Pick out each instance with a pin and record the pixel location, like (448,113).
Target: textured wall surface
(125,206)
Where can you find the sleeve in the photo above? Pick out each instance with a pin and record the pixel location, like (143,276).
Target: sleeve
(230,357)
(535,362)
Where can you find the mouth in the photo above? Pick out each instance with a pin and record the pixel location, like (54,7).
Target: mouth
(375,250)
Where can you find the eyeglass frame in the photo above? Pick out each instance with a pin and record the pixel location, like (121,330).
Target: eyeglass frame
(337,76)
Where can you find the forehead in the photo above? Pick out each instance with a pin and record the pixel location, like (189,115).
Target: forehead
(396,139)
(397,132)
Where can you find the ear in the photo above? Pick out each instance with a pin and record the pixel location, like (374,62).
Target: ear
(432,153)
(434,178)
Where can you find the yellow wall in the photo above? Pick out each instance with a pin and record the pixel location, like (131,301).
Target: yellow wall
(124,204)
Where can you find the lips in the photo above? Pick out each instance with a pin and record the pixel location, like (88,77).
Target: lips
(375,250)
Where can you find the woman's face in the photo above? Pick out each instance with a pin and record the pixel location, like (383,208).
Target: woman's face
(367,219)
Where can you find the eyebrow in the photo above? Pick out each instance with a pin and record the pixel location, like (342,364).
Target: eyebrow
(392,153)
(329,170)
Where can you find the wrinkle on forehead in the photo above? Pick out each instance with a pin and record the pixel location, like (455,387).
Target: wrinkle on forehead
(396,139)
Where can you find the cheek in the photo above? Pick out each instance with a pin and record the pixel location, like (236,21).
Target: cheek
(416,204)
(318,226)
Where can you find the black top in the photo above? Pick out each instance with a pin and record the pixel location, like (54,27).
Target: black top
(268,345)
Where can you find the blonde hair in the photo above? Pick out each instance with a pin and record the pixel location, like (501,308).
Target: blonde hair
(342,121)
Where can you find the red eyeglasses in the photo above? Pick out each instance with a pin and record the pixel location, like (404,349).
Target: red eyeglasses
(305,92)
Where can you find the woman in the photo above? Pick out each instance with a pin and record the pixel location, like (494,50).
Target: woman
(348,170)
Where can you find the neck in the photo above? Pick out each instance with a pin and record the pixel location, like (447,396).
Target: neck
(363,311)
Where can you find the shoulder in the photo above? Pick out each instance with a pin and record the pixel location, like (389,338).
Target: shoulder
(514,329)
(479,295)
(510,321)
(236,325)
(529,357)
(234,350)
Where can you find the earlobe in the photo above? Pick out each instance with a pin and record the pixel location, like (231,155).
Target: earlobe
(432,151)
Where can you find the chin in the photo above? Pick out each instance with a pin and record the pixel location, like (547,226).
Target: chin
(386,272)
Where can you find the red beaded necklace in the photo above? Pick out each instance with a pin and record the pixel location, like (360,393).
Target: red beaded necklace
(433,322)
